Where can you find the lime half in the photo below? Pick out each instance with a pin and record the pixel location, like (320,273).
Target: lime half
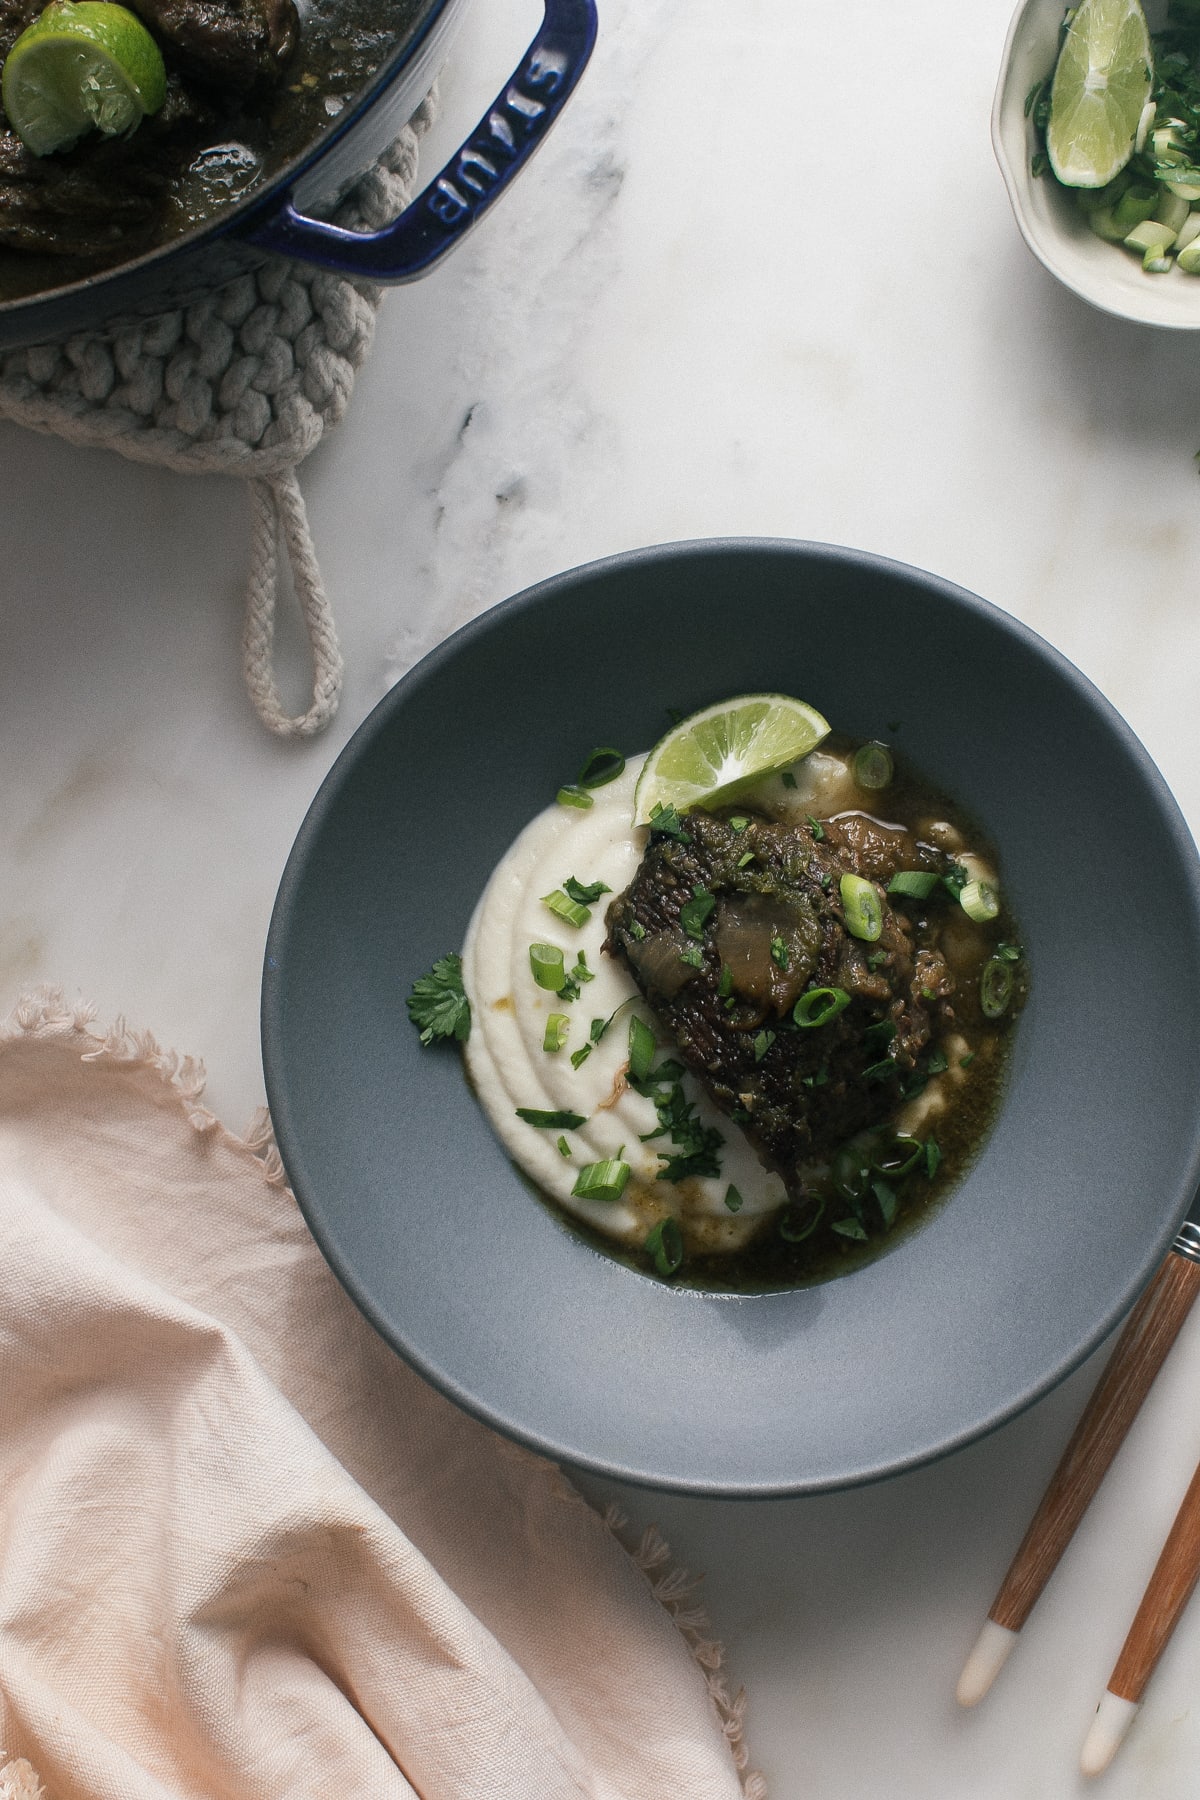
(710,757)
(81,65)
(1101,83)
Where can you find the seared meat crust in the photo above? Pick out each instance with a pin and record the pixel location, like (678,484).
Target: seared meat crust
(777,925)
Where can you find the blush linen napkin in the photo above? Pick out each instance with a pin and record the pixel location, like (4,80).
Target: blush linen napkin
(244,1550)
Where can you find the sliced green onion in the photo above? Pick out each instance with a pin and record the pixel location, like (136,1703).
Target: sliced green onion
(603,765)
(864,909)
(980,901)
(665,1245)
(995,987)
(564,1149)
(725,984)
(641,1049)
(918,883)
(799,1220)
(546,961)
(874,766)
(900,1157)
(933,1157)
(887,1202)
(733,1199)
(558,1027)
(565,908)
(850,1172)
(850,1228)
(551,1121)
(745,859)
(762,1043)
(602,1180)
(574,796)
(819,1005)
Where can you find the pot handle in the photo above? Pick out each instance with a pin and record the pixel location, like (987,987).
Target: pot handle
(496,151)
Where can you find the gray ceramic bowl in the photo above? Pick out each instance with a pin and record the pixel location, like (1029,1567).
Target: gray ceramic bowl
(1048,218)
(1032,1260)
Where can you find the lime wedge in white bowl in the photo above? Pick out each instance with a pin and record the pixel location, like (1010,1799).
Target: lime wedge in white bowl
(714,755)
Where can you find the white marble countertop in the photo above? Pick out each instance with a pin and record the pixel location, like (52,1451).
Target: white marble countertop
(763,279)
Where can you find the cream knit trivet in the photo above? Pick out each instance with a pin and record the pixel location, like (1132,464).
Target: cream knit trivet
(243,381)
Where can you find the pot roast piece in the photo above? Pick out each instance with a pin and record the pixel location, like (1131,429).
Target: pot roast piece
(778,927)
(83,206)
(234,46)
(109,195)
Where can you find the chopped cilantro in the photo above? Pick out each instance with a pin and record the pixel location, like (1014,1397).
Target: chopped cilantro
(936,1062)
(933,1157)
(850,1228)
(788,779)
(733,1199)
(725,985)
(876,1071)
(693,956)
(956,880)
(636,930)
(762,1043)
(665,822)
(877,958)
(437,1005)
(573,982)
(695,913)
(745,859)
(964,1062)
(739,825)
(1008,952)
(696,1145)
(551,1121)
(817,829)
(585,893)
(779,954)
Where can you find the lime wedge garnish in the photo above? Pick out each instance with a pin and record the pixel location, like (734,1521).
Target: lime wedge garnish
(1101,83)
(712,756)
(82,64)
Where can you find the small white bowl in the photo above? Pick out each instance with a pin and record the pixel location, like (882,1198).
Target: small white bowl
(1050,221)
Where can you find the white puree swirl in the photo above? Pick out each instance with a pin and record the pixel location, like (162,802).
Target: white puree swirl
(504,1054)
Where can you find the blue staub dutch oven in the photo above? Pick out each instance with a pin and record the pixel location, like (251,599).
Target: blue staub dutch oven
(284,214)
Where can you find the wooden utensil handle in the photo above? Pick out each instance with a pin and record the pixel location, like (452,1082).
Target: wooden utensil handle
(1175,1575)
(1141,1349)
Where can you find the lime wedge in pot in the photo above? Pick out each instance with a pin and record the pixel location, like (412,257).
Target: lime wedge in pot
(713,755)
(81,65)
(1101,84)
